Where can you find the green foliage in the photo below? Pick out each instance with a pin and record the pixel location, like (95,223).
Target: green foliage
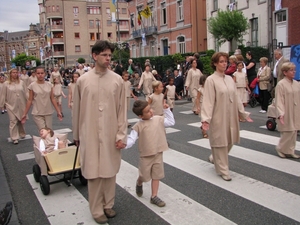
(228,26)
(21,59)
(121,51)
(257,52)
(178,58)
(81,60)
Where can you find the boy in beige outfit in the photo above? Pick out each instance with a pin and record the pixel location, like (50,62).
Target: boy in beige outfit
(152,142)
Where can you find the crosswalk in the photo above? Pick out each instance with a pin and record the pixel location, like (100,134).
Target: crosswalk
(183,208)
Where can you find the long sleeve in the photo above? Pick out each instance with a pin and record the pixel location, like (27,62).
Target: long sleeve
(209,98)
(189,78)
(131,139)
(76,111)
(279,100)
(141,80)
(169,118)
(3,96)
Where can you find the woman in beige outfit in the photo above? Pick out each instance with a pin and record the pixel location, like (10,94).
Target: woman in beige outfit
(263,75)
(192,83)
(146,81)
(41,97)
(287,102)
(220,112)
(13,96)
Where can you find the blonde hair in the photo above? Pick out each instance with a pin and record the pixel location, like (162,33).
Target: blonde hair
(9,77)
(264,59)
(233,57)
(155,84)
(48,129)
(154,72)
(287,66)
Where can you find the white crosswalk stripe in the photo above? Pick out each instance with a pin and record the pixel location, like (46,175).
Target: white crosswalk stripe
(180,207)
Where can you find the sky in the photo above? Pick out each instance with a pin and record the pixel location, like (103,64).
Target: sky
(17,15)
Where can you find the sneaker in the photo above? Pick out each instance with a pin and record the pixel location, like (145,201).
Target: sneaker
(262,111)
(2,112)
(157,201)
(5,213)
(139,190)
(16,142)
(110,213)
(226,177)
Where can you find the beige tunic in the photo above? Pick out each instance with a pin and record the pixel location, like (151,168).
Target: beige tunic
(80,71)
(55,75)
(171,95)
(32,79)
(13,96)
(57,89)
(25,79)
(128,88)
(222,109)
(152,136)
(146,81)
(72,87)
(287,103)
(192,80)
(157,103)
(42,104)
(99,121)
(49,143)
(241,83)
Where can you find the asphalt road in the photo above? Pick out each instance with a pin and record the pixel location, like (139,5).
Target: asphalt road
(264,189)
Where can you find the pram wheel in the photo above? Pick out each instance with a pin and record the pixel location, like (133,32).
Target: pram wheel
(36,172)
(252,102)
(271,124)
(83,181)
(44,184)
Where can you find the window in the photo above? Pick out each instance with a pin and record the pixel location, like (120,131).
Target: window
(179,10)
(57,8)
(281,16)
(76,22)
(181,44)
(75,10)
(231,1)
(53,8)
(98,36)
(254,32)
(152,48)
(215,5)
(77,48)
(133,51)
(49,9)
(109,35)
(93,10)
(124,11)
(163,13)
(91,23)
(76,35)
(92,36)
(108,22)
(107,10)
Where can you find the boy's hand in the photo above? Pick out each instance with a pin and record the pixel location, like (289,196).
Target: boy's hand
(120,144)
(166,106)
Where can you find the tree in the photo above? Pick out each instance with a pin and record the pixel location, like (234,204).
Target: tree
(121,53)
(81,60)
(21,59)
(228,26)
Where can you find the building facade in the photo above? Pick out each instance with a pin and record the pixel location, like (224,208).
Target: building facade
(174,26)
(259,16)
(72,28)
(14,43)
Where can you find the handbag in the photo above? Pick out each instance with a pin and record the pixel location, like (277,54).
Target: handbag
(256,89)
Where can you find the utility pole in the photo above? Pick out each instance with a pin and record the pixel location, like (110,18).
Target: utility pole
(98,23)
(118,27)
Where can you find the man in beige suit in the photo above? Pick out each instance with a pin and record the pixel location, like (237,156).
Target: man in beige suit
(277,73)
(100,128)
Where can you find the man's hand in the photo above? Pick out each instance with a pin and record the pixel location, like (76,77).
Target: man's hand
(77,142)
(120,144)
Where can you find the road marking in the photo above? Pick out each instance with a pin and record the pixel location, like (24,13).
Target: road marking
(263,127)
(64,205)
(178,209)
(260,158)
(263,138)
(198,124)
(273,198)
(170,130)
(134,120)
(21,139)
(62,131)
(187,112)
(25,156)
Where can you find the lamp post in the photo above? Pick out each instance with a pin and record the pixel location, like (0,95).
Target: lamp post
(98,23)
(119,40)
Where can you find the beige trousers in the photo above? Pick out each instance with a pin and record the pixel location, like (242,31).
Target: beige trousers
(102,193)
(193,94)
(43,121)
(287,142)
(16,128)
(220,157)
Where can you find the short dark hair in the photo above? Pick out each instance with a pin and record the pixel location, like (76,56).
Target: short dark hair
(196,55)
(101,46)
(202,80)
(40,67)
(171,78)
(124,72)
(139,106)
(216,57)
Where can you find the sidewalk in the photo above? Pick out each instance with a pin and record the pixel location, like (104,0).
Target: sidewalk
(5,196)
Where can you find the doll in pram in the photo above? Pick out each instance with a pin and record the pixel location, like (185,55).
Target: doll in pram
(55,157)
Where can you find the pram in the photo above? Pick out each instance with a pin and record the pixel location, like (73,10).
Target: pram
(63,161)
(271,122)
(254,95)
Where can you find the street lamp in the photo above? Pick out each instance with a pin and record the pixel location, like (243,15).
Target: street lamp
(98,23)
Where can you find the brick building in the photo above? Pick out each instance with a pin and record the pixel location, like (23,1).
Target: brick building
(175,26)
(75,25)
(14,43)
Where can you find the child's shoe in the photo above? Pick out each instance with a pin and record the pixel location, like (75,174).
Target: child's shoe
(157,201)
(2,112)
(139,190)
(5,213)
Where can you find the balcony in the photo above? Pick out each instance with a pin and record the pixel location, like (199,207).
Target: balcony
(58,53)
(57,40)
(56,27)
(147,30)
(124,28)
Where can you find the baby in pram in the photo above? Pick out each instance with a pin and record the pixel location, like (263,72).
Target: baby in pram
(49,141)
